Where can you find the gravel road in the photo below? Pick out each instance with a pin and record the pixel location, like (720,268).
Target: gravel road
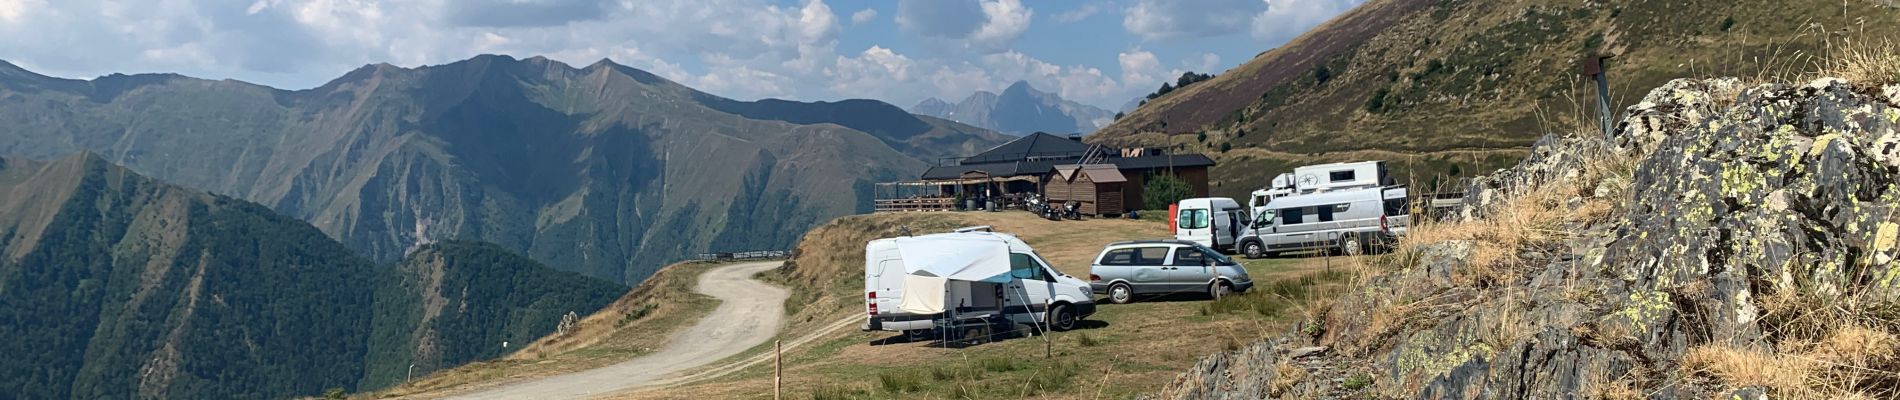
(750,312)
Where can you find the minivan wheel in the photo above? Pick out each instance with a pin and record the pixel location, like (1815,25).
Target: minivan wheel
(1120,293)
(1351,247)
(1254,250)
(1062,318)
(1220,289)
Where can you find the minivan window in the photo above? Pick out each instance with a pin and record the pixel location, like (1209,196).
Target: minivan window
(1193,219)
(1024,267)
(1291,216)
(1188,256)
(1151,255)
(1119,257)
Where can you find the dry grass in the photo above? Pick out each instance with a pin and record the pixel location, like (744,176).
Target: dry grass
(1743,368)
(1868,61)
(1843,346)
(1285,375)
(1508,323)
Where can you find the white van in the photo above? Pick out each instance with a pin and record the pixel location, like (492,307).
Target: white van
(1320,179)
(1215,222)
(1348,222)
(1033,293)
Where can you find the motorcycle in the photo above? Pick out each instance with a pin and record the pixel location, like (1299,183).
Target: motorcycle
(1073,210)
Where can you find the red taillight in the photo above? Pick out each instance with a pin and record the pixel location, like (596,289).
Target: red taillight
(870,300)
(1383,226)
(1095,278)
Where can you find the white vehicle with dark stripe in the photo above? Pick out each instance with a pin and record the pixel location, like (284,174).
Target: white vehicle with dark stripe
(1347,222)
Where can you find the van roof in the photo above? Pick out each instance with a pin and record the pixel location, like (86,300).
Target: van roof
(1332,197)
(1152,241)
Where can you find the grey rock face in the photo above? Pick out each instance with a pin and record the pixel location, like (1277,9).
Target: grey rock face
(1737,193)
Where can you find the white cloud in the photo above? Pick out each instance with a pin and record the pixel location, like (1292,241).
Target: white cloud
(1206,63)
(1140,68)
(863,16)
(1284,20)
(1007,20)
(1078,13)
(980,26)
(1154,20)
(12,10)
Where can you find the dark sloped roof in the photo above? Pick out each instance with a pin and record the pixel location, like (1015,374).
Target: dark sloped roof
(1031,145)
(1039,167)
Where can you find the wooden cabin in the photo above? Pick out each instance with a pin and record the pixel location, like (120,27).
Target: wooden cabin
(1099,187)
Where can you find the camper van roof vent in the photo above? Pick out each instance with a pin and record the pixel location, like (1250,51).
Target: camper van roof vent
(984,228)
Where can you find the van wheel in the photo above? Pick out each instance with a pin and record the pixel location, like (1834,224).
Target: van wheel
(916,335)
(1062,318)
(1254,250)
(1120,293)
(1351,246)
(1220,289)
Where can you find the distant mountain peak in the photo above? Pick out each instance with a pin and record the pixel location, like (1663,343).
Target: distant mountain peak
(1018,110)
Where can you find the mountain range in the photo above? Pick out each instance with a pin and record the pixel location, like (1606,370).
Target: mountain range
(605,170)
(1019,110)
(1444,89)
(115,285)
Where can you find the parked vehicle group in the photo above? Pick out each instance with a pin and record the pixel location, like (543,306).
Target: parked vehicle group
(973,283)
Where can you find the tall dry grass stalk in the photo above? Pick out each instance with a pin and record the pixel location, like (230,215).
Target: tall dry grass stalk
(1870,61)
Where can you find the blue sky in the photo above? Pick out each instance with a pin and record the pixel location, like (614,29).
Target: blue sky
(1102,53)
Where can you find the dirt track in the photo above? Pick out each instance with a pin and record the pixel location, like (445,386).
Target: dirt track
(750,312)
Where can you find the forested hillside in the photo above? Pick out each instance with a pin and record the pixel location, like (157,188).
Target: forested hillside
(454,302)
(114,285)
(605,170)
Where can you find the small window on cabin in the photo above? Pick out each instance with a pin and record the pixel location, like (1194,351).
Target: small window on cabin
(1325,213)
(1344,176)
(1292,216)
(1341,208)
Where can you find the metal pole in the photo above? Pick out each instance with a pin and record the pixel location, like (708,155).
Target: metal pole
(778,368)
(1603,103)
(1048,346)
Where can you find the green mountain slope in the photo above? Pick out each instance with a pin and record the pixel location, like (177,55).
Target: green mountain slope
(1430,85)
(605,170)
(118,286)
(122,287)
(450,303)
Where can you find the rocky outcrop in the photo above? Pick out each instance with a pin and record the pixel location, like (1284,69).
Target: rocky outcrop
(1636,254)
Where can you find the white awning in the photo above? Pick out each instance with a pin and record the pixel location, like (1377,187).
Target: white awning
(975,258)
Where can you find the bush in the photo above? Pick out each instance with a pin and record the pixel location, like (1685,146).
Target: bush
(1224,147)
(1163,190)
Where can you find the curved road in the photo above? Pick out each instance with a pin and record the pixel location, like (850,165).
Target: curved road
(749,313)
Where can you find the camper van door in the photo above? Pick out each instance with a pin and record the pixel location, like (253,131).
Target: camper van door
(1028,292)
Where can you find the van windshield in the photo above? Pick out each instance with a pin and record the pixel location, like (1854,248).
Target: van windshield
(1193,219)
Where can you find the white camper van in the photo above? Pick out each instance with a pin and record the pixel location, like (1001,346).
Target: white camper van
(912,283)
(1346,221)
(1320,179)
(1215,222)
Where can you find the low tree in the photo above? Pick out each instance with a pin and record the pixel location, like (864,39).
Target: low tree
(1164,189)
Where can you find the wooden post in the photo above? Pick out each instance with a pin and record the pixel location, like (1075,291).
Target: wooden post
(778,368)
(1048,342)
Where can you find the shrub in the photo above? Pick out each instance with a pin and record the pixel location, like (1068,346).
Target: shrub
(1164,189)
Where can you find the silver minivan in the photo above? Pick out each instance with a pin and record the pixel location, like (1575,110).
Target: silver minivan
(1126,269)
